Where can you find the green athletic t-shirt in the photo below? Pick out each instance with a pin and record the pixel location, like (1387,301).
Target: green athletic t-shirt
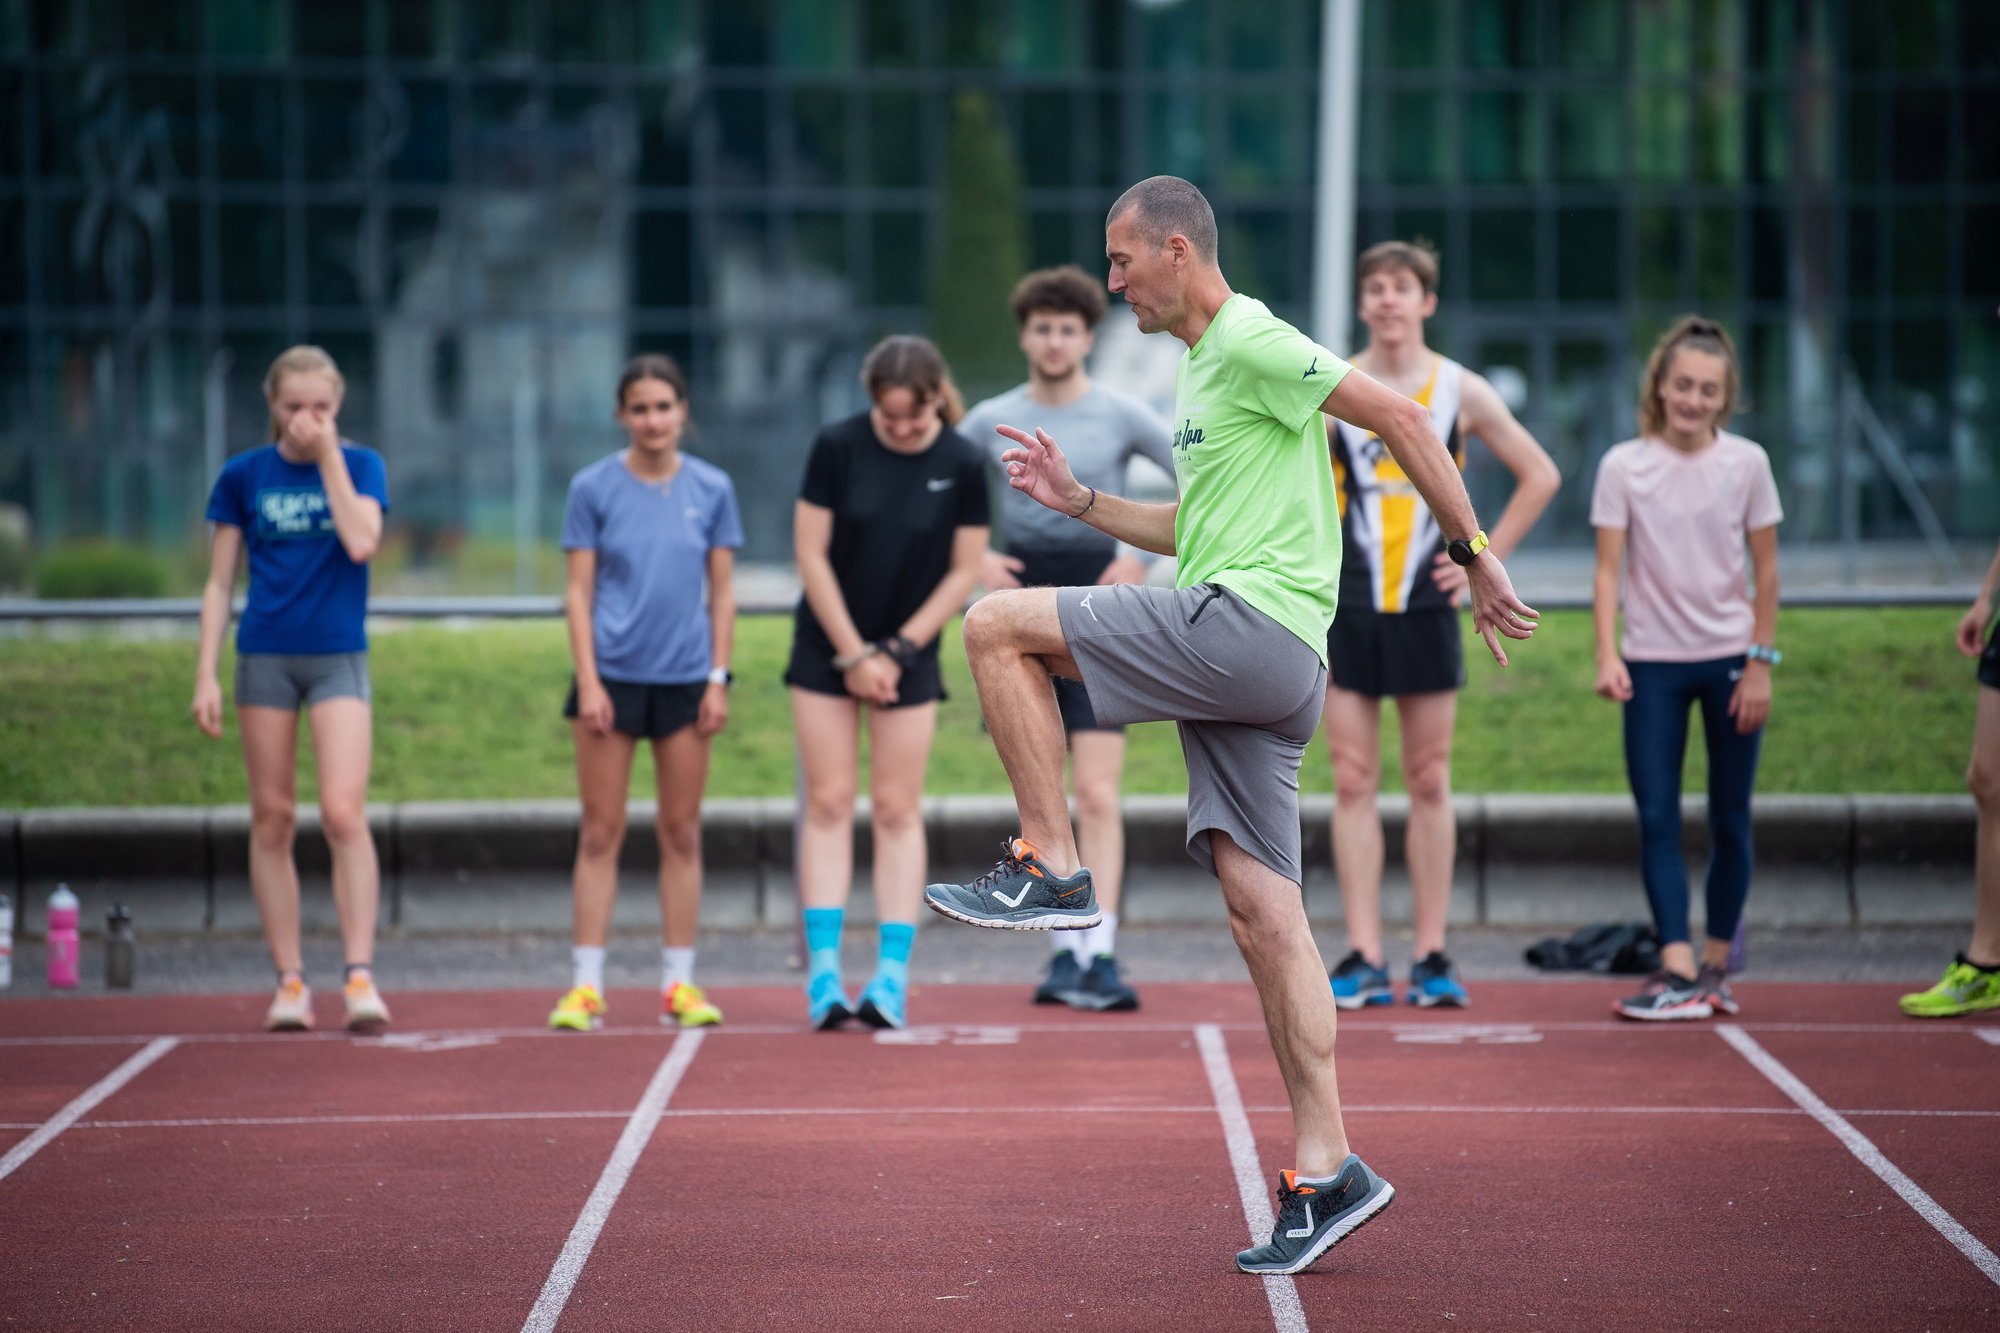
(1257,508)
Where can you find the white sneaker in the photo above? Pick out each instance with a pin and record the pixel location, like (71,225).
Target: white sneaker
(364,1004)
(291,1008)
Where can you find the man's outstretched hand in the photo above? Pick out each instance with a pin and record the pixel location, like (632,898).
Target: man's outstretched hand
(1036,467)
(1495,607)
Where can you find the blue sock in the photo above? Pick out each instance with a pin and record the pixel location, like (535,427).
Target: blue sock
(823,938)
(893,958)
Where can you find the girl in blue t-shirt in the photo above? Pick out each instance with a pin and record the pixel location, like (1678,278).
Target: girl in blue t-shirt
(308,508)
(646,530)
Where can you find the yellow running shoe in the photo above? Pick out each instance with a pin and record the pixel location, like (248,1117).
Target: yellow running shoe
(1964,989)
(582,1010)
(686,1005)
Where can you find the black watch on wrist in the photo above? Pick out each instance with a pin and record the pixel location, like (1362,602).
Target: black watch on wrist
(1463,552)
(900,650)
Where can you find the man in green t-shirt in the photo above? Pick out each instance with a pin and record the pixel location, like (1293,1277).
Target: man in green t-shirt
(1234,654)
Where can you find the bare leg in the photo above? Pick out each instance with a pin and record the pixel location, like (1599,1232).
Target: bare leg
(827,729)
(1014,641)
(1354,742)
(680,768)
(899,749)
(1268,917)
(1099,761)
(270,760)
(1984,779)
(603,777)
(1430,844)
(343,746)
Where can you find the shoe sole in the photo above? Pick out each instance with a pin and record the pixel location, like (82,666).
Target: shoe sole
(1440,1002)
(875,1018)
(287,1025)
(1370,1209)
(589,1025)
(1101,1004)
(670,1020)
(1679,1013)
(1370,1000)
(1956,1011)
(368,1023)
(833,1018)
(1042,921)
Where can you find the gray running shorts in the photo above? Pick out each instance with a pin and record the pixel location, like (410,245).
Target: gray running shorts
(292,680)
(1246,692)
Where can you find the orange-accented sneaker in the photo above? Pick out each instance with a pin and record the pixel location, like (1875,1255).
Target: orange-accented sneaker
(291,1008)
(581,1010)
(1021,893)
(364,1004)
(686,1005)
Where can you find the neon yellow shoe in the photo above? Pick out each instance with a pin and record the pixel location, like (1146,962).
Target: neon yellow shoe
(686,1005)
(1963,989)
(582,1010)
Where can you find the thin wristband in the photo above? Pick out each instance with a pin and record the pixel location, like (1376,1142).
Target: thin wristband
(1087,508)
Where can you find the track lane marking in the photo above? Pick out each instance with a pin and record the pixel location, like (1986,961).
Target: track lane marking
(1865,1151)
(604,1196)
(1279,1289)
(83,1103)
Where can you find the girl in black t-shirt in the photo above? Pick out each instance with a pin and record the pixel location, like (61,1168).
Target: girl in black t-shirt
(888,531)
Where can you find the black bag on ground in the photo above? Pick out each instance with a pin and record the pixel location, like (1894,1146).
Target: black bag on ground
(1624,946)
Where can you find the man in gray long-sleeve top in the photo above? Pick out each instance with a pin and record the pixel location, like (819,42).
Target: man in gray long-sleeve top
(1102,430)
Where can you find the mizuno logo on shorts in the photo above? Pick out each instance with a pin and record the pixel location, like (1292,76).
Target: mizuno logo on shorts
(1085,605)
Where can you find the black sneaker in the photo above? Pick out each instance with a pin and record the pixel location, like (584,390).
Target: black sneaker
(1061,982)
(1019,894)
(1103,988)
(1315,1216)
(1713,982)
(1666,997)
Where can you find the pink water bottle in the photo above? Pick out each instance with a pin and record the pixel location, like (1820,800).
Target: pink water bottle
(65,949)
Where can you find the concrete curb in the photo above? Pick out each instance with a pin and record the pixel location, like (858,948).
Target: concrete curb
(503,866)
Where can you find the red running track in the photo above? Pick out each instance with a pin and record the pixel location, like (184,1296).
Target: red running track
(1822,1163)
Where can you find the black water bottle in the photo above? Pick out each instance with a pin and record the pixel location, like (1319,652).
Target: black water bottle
(119,947)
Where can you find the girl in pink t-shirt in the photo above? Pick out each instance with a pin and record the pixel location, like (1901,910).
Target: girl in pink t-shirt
(1677,508)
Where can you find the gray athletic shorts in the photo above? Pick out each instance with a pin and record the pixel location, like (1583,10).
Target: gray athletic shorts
(292,680)
(1246,691)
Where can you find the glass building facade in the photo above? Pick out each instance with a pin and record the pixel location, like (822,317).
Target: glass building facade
(481,207)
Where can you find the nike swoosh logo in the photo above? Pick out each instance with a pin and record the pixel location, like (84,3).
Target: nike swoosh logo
(1311,370)
(1300,1233)
(1016,900)
(940,483)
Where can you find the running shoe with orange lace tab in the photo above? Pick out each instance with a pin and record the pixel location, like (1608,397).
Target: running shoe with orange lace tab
(685,1004)
(581,1010)
(1314,1215)
(1021,893)
(364,1004)
(291,1008)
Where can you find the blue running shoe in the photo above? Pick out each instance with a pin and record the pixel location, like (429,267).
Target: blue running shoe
(1434,982)
(826,1003)
(885,1004)
(1357,983)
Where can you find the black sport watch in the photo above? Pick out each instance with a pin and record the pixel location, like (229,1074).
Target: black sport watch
(1463,552)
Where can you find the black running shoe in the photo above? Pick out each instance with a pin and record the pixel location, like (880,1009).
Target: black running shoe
(1713,983)
(1061,982)
(1316,1215)
(1103,988)
(1019,894)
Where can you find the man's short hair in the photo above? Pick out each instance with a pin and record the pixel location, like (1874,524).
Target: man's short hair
(1066,290)
(1418,256)
(1164,206)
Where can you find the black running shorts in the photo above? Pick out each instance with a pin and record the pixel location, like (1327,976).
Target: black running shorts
(1989,661)
(1411,652)
(647,712)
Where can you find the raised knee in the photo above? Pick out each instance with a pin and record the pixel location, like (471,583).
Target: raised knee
(983,623)
(600,837)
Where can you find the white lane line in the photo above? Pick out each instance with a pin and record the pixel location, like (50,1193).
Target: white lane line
(83,1104)
(597,1208)
(1866,1152)
(1286,1312)
(1402,1027)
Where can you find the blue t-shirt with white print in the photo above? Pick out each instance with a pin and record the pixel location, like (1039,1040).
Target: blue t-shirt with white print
(306,595)
(649,620)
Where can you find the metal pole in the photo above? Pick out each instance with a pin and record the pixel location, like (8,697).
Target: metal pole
(527,484)
(1333,187)
(215,416)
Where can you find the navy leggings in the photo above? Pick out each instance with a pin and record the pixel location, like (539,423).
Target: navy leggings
(1656,726)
